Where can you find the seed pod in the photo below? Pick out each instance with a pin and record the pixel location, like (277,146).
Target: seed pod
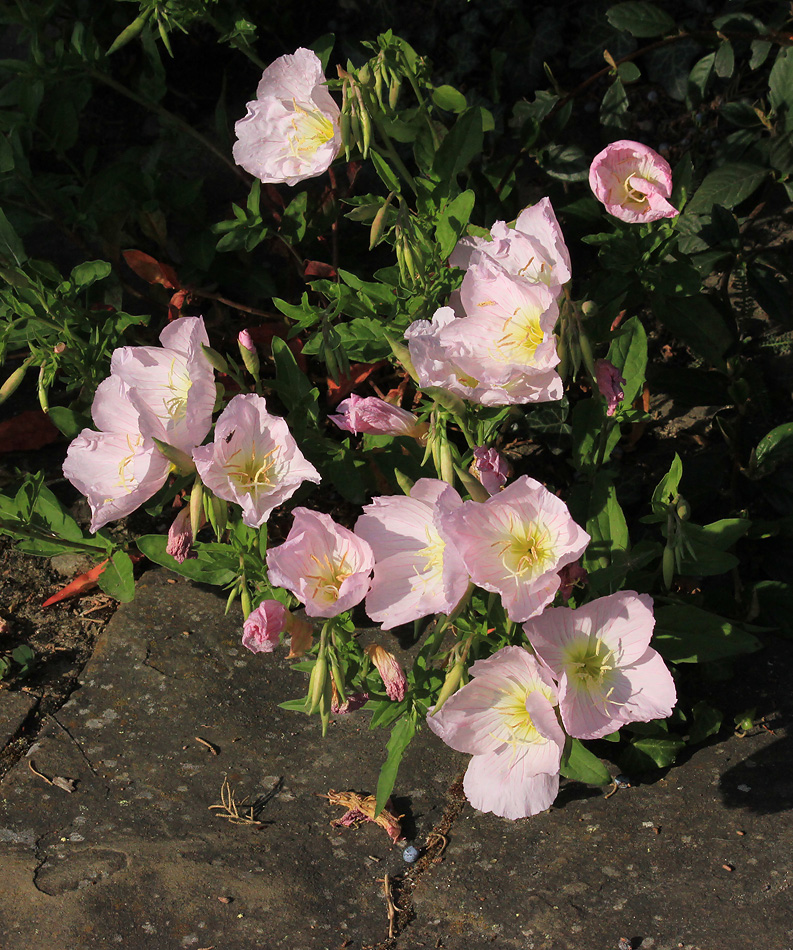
(13,382)
(316,684)
(196,505)
(43,399)
(345,127)
(378,225)
(393,92)
(450,685)
(586,354)
(564,362)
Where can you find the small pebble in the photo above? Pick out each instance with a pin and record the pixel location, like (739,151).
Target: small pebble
(728,867)
(410,854)
(623,781)
(225,900)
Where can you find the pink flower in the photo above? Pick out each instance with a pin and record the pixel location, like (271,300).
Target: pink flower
(324,565)
(369,414)
(416,573)
(633,182)
(571,576)
(172,386)
(291,130)
(180,537)
(117,469)
(534,249)
(391,673)
(264,626)
(515,543)
(610,383)
(505,716)
(600,655)
(254,460)
(352,703)
(490,468)
(454,354)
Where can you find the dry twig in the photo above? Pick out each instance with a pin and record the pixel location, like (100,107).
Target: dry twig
(392,907)
(229,808)
(212,748)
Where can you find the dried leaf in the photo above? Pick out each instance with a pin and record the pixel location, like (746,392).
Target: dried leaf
(360,809)
(67,784)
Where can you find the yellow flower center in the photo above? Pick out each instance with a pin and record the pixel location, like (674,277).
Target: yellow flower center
(328,580)
(311,129)
(517,727)
(253,474)
(590,665)
(179,384)
(529,551)
(432,572)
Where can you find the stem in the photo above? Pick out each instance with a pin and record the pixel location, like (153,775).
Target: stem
(168,116)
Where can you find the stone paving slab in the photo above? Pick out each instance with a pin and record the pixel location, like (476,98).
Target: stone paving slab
(14,710)
(699,859)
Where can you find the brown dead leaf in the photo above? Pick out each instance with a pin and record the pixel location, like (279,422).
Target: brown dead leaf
(360,809)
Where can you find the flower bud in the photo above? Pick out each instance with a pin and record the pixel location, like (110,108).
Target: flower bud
(180,537)
(490,468)
(248,352)
(13,382)
(609,382)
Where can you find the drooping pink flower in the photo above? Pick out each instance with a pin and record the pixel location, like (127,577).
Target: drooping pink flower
(534,249)
(607,672)
(610,383)
(180,537)
(172,386)
(633,182)
(391,673)
(118,468)
(416,573)
(369,414)
(254,460)
(446,355)
(264,625)
(324,565)
(515,543)
(353,702)
(571,576)
(505,716)
(291,130)
(490,468)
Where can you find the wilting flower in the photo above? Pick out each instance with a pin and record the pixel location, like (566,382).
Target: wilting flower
(391,673)
(607,672)
(353,702)
(633,182)
(505,716)
(571,576)
(610,383)
(515,543)
(369,414)
(172,386)
(324,565)
(416,573)
(291,130)
(263,628)
(118,468)
(180,537)
(534,249)
(254,460)
(490,468)
(453,354)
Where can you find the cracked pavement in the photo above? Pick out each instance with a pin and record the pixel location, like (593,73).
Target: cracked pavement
(698,857)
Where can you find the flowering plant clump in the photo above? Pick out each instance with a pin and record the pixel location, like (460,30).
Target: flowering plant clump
(413,387)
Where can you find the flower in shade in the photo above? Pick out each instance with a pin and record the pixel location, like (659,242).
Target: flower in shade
(416,573)
(534,249)
(117,468)
(610,383)
(369,414)
(324,565)
(254,460)
(515,543)
(263,627)
(291,130)
(633,182)
(172,386)
(505,715)
(391,673)
(600,655)
(490,468)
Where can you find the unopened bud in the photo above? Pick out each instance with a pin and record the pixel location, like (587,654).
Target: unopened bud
(450,685)
(180,460)
(390,671)
(13,382)
(248,352)
(196,507)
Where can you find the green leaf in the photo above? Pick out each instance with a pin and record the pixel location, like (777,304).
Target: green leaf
(614,107)
(401,735)
(707,722)
(688,634)
(640,18)
(463,143)
(293,222)
(719,534)
(296,705)
(386,174)
(581,765)
(780,81)
(292,385)
(724,64)
(628,352)
(68,422)
(772,449)
(666,491)
(87,273)
(214,565)
(589,423)
(775,603)
(699,77)
(727,186)
(11,247)
(648,753)
(605,525)
(117,579)
(452,222)
(449,98)
(323,47)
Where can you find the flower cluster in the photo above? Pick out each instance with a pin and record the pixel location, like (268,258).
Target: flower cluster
(593,666)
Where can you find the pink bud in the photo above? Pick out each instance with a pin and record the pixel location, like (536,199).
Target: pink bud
(610,383)
(390,671)
(246,340)
(490,468)
(180,537)
(369,414)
